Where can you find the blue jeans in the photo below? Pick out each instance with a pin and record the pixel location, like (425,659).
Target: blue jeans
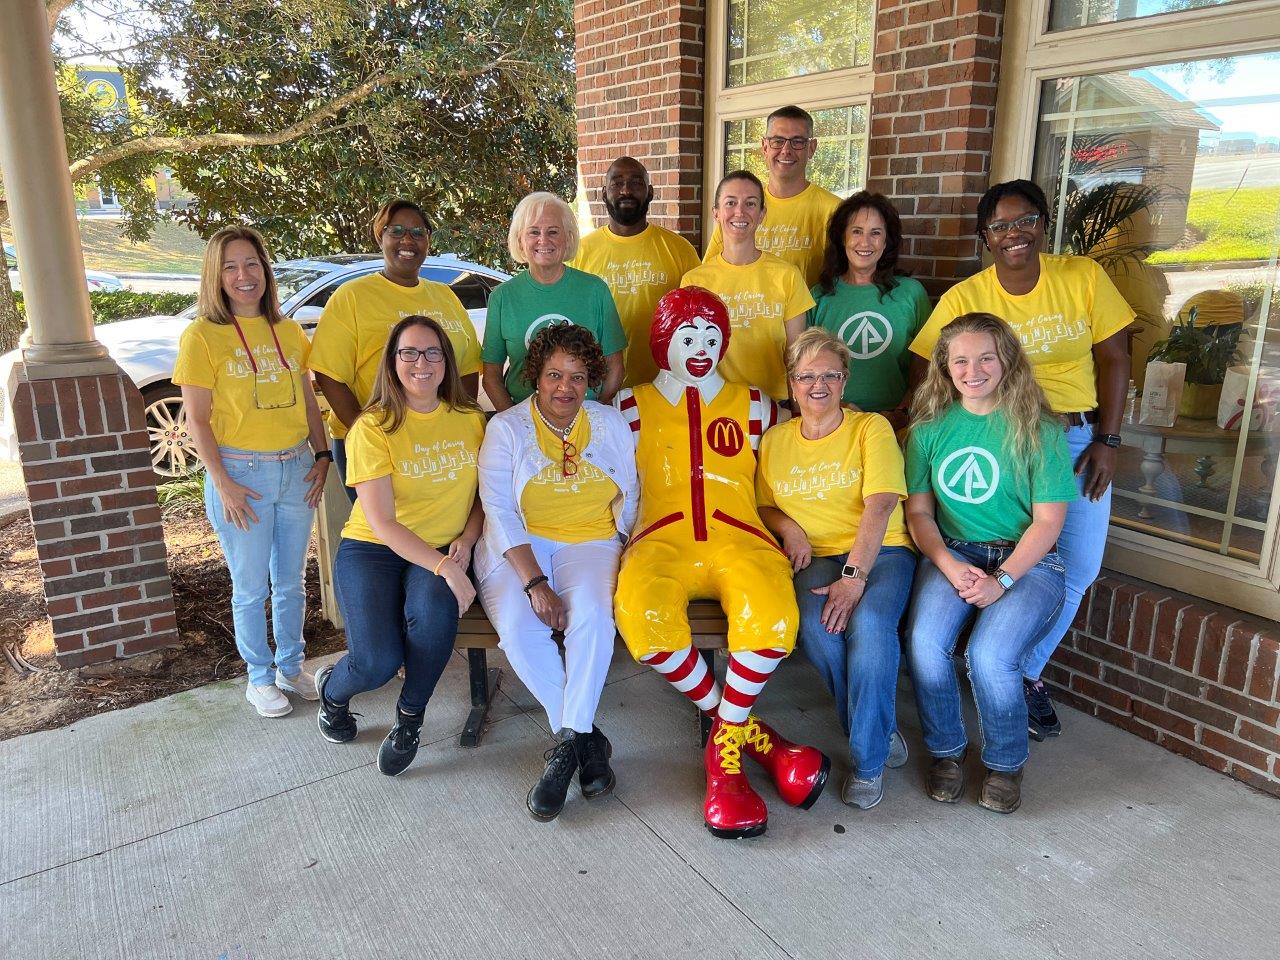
(860,666)
(395,613)
(1083,538)
(998,644)
(269,557)
(339,448)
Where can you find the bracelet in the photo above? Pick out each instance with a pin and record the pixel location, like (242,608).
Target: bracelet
(442,562)
(324,455)
(528,587)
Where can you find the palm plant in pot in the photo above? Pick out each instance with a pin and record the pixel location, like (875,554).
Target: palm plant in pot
(1207,351)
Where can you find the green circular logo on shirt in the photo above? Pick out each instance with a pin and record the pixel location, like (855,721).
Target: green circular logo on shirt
(546,320)
(867,334)
(970,475)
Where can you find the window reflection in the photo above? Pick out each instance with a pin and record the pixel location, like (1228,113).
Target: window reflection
(774,39)
(1067,14)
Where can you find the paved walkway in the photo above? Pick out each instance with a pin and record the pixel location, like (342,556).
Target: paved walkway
(13,490)
(190,828)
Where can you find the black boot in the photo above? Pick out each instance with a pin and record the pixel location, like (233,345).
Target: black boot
(546,799)
(401,745)
(595,777)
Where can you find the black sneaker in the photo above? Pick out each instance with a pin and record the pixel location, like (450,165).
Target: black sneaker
(401,745)
(336,722)
(546,799)
(1042,721)
(595,776)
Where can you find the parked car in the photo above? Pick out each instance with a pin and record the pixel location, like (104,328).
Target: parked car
(147,348)
(97,280)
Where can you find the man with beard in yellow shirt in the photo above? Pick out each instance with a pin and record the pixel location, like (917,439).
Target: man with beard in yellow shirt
(795,229)
(639,260)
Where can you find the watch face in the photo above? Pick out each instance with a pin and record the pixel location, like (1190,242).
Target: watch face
(1005,580)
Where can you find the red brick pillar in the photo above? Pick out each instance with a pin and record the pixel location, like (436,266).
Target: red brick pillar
(640,93)
(86,460)
(932,115)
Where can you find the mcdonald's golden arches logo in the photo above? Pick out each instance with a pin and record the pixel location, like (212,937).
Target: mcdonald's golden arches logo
(724,436)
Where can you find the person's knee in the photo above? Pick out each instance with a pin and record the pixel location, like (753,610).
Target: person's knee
(988,661)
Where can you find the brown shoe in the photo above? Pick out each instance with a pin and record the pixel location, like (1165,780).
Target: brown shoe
(946,778)
(1001,792)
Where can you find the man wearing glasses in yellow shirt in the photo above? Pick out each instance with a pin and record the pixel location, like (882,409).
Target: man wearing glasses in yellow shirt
(798,211)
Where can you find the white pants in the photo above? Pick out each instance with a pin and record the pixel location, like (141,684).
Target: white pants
(584,575)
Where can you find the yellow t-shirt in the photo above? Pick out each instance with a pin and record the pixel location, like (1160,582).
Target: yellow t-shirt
(265,411)
(568,509)
(431,460)
(638,270)
(822,484)
(358,318)
(794,229)
(1073,306)
(761,298)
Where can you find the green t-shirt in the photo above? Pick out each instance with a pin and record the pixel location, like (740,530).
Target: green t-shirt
(521,306)
(982,492)
(877,332)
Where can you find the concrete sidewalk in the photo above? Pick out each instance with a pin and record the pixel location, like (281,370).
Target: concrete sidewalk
(189,827)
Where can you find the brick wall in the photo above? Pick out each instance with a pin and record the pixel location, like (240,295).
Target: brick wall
(85,457)
(932,113)
(640,93)
(1194,677)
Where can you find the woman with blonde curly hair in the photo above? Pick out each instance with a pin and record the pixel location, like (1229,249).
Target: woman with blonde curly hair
(989,478)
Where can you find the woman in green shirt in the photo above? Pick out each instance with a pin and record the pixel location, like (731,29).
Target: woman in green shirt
(865,300)
(988,482)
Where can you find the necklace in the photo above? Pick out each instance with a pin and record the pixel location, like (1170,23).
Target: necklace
(562,434)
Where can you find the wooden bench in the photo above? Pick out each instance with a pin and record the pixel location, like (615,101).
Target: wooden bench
(477,636)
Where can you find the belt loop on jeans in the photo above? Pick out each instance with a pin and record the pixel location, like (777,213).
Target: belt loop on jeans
(1081,418)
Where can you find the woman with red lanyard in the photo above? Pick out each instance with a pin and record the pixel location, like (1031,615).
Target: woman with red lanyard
(256,425)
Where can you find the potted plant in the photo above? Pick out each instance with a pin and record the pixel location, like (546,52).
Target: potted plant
(1207,351)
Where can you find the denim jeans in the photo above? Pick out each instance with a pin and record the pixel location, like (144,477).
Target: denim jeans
(860,665)
(269,557)
(1083,538)
(339,448)
(998,644)
(395,613)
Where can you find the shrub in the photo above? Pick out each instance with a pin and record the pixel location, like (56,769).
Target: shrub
(110,306)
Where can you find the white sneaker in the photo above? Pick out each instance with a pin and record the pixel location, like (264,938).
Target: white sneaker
(268,700)
(304,684)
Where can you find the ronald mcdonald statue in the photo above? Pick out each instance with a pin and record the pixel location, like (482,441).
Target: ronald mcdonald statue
(698,536)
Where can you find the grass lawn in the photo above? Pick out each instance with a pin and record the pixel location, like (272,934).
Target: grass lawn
(1237,225)
(172,249)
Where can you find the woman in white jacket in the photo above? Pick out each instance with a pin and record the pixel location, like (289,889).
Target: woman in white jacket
(558,481)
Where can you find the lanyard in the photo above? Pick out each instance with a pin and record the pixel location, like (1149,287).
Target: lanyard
(253,363)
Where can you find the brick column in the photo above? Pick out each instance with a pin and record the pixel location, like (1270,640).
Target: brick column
(86,460)
(932,115)
(640,93)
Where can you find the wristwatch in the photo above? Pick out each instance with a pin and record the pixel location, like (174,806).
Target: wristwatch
(1004,579)
(1112,440)
(852,571)
(324,455)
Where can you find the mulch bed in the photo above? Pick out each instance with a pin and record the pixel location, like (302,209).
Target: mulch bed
(206,651)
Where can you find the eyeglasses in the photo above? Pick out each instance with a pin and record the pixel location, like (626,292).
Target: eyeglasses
(568,462)
(1025,222)
(830,378)
(797,143)
(398,231)
(269,386)
(411,354)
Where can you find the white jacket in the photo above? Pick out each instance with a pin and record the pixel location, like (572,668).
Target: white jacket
(510,457)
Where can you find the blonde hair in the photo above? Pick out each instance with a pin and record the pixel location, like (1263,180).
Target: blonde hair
(1018,395)
(530,209)
(212,303)
(388,402)
(812,342)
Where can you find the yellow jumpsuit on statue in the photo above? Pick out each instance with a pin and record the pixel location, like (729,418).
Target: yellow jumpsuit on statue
(699,535)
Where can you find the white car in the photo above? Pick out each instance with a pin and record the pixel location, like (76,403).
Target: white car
(97,280)
(147,348)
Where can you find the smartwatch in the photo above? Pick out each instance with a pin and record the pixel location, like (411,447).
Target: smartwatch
(1112,440)
(324,455)
(1004,579)
(852,571)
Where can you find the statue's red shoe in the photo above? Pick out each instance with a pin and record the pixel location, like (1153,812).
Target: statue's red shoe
(732,809)
(799,772)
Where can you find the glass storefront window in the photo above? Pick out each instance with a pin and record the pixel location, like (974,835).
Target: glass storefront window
(775,39)
(1170,177)
(1069,14)
(839,165)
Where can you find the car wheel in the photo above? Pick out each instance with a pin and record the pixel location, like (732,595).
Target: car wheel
(173,451)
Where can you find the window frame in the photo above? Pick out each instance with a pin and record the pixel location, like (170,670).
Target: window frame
(1032,54)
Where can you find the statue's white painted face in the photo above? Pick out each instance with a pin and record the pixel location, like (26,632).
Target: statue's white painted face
(694,351)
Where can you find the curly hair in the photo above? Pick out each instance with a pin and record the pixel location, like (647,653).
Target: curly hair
(570,338)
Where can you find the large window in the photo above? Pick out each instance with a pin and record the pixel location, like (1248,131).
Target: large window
(1165,168)
(773,39)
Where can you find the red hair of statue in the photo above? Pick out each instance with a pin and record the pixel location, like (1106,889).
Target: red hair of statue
(679,307)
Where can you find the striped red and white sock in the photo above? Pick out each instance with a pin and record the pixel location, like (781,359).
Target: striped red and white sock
(748,672)
(688,672)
